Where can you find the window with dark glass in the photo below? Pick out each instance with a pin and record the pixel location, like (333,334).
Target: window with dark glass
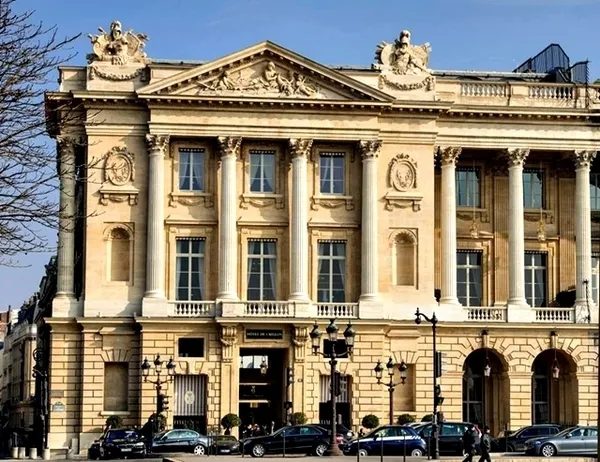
(190,347)
(469,278)
(189,269)
(536,286)
(533,188)
(262,264)
(331,286)
(262,171)
(595,190)
(595,279)
(331,172)
(191,169)
(468,187)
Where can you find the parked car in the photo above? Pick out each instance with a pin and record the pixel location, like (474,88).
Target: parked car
(341,436)
(515,442)
(117,443)
(574,440)
(393,440)
(225,444)
(298,439)
(180,441)
(450,436)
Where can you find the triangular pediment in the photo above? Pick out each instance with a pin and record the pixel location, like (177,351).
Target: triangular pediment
(264,71)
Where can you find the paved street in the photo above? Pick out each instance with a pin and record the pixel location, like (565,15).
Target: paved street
(504,458)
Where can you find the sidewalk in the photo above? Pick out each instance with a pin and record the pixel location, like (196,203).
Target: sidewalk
(500,457)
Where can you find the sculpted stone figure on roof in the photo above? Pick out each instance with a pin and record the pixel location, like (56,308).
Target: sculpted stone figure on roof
(117,47)
(402,58)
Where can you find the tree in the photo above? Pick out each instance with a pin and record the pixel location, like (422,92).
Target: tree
(298,418)
(427,418)
(114,421)
(229,421)
(370,421)
(406,419)
(30,53)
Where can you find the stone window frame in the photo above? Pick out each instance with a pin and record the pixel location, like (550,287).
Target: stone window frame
(126,362)
(191,358)
(261,200)
(193,198)
(468,213)
(413,234)
(352,246)
(210,243)
(107,236)
(333,201)
(468,269)
(549,187)
(550,248)
(262,232)
(484,246)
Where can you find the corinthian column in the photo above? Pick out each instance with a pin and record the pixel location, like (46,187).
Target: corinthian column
(369,224)
(228,261)
(300,150)
(155,240)
(66,241)
(448,158)
(516,228)
(583,226)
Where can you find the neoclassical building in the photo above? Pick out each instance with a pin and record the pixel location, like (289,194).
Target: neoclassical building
(212,212)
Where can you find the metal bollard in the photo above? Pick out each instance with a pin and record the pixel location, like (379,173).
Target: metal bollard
(381,450)
(283,442)
(33,453)
(22,453)
(46,454)
(357,444)
(14,452)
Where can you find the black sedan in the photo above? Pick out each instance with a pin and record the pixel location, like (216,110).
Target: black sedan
(116,444)
(297,439)
(180,441)
(515,442)
(225,444)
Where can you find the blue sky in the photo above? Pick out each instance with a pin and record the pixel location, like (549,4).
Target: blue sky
(464,34)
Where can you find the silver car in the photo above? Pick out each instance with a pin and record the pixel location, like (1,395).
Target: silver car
(574,440)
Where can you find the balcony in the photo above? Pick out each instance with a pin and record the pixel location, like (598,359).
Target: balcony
(270,309)
(555,315)
(195,309)
(337,310)
(486,314)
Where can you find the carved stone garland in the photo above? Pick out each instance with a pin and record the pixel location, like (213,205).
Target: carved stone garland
(403,178)
(119,175)
(300,340)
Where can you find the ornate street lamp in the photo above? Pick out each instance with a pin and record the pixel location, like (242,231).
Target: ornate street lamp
(161,400)
(332,335)
(391,386)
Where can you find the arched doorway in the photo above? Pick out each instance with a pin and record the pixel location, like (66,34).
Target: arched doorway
(485,390)
(554,389)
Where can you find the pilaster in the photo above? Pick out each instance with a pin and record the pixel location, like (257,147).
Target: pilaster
(299,390)
(230,376)
(520,399)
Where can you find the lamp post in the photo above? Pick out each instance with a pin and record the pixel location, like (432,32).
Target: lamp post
(391,385)
(332,335)
(161,400)
(487,372)
(437,398)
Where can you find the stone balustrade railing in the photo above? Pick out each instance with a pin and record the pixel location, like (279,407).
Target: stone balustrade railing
(555,315)
(486,314)
(269,309)
(192,309)
(485,89)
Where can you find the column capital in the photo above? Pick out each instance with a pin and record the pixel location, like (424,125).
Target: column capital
(300,147)
(369,149)
(516,156)
(157,143)
(448,154)
(230,145)
(583,159)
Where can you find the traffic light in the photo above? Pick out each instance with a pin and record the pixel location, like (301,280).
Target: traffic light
(289,375)
(438,364)
(337,384)
(162,404)
(438,398)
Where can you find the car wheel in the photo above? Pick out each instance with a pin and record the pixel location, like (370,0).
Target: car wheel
(548,450)
(199,450)
(416,453)
(320,450)
(258,450)
(510,448)
(363,452)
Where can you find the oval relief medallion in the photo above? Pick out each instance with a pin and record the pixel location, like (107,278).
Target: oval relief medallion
(403,173)
(118,168)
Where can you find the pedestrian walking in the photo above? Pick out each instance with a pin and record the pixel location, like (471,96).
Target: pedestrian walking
(486,445)
(469,440)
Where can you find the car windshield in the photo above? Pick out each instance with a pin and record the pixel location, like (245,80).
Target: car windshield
(226,438)
(121,435)
(565,432)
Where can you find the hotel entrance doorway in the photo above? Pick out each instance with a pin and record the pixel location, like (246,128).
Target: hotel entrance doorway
(262,387)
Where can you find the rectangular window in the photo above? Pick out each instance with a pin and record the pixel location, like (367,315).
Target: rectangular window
(469,278)
(262,264)
(536,286)
(595,284)
(189,277)
(190,347)
(191,169)
(116,386)
(262,171)
(533,188)
(467,187)
(331,287)
(331,172)
(595,191)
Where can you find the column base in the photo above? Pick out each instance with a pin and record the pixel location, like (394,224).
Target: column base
(66,306)
(154,307)
(518,310)
(449,301)
(585,312)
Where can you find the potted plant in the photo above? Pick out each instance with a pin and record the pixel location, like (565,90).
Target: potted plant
(230,421)
(114,421)
(370,421)
(298,418)
(405,419)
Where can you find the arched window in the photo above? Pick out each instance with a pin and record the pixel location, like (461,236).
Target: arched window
(404,259)
(119,255)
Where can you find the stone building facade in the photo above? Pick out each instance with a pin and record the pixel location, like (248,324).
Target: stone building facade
(213,212)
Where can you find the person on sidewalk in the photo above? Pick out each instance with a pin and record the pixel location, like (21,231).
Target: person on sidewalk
(486,445)
(469,440)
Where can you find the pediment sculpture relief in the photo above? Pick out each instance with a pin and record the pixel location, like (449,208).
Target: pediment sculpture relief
(402,178)
(403,66)
(117,47)
(119,175)
(270,81)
